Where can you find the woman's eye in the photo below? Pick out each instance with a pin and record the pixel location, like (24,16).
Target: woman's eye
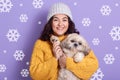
(55,20)
(65,20)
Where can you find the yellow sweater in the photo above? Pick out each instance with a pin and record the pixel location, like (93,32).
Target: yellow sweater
(44,66)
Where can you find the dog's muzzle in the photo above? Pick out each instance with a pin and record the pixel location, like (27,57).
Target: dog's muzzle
(75,44)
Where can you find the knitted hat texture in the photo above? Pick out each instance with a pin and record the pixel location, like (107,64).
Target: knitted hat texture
(59,8)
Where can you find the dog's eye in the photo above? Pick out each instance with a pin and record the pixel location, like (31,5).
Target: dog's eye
(80,43)
(72,41)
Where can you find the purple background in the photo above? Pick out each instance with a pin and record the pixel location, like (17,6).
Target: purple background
(29,31)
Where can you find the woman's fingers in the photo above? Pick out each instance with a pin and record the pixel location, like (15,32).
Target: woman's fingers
(57,50)
(55,44)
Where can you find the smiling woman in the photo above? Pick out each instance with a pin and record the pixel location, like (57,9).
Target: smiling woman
(47,59)
(60,24)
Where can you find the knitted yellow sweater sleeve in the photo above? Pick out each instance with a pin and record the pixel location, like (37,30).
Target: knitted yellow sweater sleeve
(85,68)
(39,68)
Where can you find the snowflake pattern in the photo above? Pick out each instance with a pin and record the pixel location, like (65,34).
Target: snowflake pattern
(37,3)
(100,27)
(13,35)
(23,18)
(27,63)
(109,59)
(116,4)
(5,5)
(21,5)
(24,73)
(115,33)
(86,22)
(98,75)
(19,55)
(2,68)
(5,78)
(105,10)
(75,3)
(39,22)
(95,41)
(4,51)
(116,48)
(16,13)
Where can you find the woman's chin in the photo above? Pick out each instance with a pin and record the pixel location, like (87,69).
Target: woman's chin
(59,34)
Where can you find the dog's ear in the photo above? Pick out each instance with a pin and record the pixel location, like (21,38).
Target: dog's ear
(63,43)
(87,49)
(86,46)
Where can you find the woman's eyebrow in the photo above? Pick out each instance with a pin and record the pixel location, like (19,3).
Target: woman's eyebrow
(65,17)
(55,17)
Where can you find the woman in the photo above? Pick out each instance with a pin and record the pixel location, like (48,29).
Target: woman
(46,58)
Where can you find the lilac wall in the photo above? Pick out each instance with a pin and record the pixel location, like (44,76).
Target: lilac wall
(21,22)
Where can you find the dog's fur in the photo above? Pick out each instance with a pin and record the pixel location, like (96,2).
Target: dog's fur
(74,46)
(54,39)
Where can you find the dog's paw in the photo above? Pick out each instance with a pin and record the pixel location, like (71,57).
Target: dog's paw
(78,57)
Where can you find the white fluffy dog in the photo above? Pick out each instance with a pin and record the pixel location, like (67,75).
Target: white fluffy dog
(74,46)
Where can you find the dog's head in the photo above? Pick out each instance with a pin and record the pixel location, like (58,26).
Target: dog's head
(54,39)
(75,43)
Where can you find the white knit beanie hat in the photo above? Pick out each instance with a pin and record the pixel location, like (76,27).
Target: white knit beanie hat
(59,8)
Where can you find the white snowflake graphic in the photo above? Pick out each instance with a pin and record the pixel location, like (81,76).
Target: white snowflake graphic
(5,5)
(115,33)
(95,41)
(19,55)
(23,18)
(75,3)
(116,4)
(100,27)
(98,75)
(21,5)
(105,10)
(39,22)
(13,35)
(27,63)
(5,78)
(116,48)
(109,59)
(86,22)
(24,73)
(37,3)
(4,51)
(2,68)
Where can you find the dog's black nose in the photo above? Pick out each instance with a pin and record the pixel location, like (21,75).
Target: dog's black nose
(75,45)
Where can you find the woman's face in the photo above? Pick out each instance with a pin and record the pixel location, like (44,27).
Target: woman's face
(60,24)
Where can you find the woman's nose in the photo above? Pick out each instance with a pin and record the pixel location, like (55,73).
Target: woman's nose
(60,23)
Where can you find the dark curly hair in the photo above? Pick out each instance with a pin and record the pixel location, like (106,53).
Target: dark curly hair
(47,31)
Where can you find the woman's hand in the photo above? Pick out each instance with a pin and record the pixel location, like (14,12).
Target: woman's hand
(57,51)
(62,61)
